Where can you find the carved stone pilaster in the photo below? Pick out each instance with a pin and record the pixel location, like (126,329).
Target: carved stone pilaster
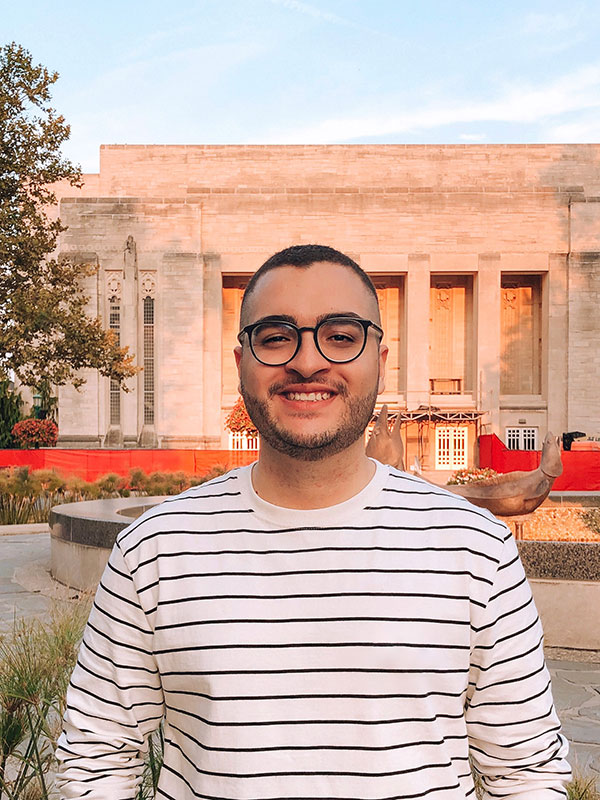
(148,284)
(114,284)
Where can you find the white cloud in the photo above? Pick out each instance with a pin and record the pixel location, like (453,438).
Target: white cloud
(575,92)
(581,131)
(549,24)
(327,16)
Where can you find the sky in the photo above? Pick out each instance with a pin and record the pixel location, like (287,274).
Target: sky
(324,71)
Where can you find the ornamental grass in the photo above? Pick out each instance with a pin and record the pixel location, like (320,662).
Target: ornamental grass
(37,658)
(28,495)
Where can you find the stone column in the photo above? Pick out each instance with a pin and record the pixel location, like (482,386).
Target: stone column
(211,351)
(417,331)
(487,309)
(555,365)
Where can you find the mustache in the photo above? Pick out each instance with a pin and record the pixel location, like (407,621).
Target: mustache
(276,388)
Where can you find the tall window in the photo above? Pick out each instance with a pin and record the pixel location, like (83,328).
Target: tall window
(114,323)
(521,344)
(148,361)
(451,334)
(390,293)
(233,290)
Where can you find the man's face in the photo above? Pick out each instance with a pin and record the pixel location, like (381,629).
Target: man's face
(311,429)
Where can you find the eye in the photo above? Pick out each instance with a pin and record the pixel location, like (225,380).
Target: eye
(272,335)
(341,333)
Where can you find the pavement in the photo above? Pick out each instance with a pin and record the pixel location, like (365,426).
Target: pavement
(27,589)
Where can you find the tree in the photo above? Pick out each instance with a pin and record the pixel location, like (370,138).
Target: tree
(10,412)
(46,334)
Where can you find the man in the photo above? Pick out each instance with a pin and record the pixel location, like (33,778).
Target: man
(318,625)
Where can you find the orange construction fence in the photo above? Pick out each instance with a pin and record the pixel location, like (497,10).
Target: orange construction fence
(91,464)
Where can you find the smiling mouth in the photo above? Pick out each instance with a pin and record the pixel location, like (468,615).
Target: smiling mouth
(310,397)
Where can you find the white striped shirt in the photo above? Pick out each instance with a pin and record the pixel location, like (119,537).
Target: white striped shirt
(364,650)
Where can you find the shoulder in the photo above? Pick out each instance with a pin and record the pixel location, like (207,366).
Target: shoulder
(186,511)
(442,507)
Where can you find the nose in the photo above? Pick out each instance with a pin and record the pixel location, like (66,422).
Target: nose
(307,360)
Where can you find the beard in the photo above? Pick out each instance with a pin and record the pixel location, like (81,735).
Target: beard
(316,446)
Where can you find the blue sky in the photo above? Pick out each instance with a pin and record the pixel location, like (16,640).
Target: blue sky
(289,71)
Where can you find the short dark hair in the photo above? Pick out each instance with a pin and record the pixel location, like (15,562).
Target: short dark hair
(304,255)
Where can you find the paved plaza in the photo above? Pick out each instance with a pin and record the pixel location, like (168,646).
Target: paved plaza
(27,589)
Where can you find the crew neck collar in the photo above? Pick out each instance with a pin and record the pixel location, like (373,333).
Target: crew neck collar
(314,516)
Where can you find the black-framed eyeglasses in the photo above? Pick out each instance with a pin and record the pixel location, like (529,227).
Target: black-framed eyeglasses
(338,339)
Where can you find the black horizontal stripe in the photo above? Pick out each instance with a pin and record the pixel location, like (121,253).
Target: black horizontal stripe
(298,529)
(503,616)
(372,549)
(317,696)
(508,636)
(518,678)
(303,620)
(190,496)
(504,703)
(286,573)
(125,645)
(204,796)
(466,509)
(116,663)
(508,589)
(510,658)
(296,645)
(118,572)
(96,756)
(215,512)
(118,596)
(319,670)
(506,723)
(306,773)
(129,707)
(308,747)
(310,595)
(509,563)
(507,759)
(120,620)
(121,688)
(283,722)
(88,715)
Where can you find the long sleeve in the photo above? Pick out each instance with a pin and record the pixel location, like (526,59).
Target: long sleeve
(514,732)
(115,698)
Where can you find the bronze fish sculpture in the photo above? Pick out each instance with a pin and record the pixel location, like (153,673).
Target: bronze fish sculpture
(505,495)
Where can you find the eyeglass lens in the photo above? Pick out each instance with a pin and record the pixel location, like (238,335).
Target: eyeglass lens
(339,340)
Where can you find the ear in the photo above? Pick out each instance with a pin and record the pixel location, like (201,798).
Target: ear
(383,354)
(237,354)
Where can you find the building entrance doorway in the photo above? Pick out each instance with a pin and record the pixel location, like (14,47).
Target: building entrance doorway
(450,447)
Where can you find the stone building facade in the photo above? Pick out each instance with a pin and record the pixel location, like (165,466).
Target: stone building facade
(486,259)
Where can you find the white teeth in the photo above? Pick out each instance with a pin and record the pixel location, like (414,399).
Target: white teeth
(309,397)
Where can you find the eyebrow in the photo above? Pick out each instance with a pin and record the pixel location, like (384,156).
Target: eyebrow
(294,320)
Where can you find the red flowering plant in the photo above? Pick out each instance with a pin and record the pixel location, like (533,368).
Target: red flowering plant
(238,419)
(34,433)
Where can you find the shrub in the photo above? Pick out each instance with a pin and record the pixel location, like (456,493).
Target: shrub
(35,433)
(239,420)
(591,518)
(462,477)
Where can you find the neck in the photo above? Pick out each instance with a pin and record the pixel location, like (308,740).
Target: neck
(290,483)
